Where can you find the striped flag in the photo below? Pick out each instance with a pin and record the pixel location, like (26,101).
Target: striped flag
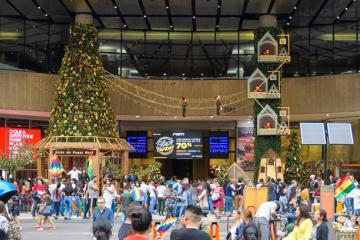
(344,187)
(166,225)
(89,166)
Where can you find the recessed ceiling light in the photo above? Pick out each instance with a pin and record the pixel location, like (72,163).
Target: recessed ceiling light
(39,7)
(144,16)
(171,26)
(137,116)
(295,7)
(115,6)
(218,6)
(183,74)
(46,14)
(202,74)
(194,17)
(211,117)
(327,115)
(346,9)
(288,24)
(167,7)
(217,26)
(124,25)
(164,74)
(338,17)
(290,17)
(175,117)
(249,122)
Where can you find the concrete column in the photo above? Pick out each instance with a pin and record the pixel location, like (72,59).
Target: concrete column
(268,21)
(84,16)
(125,163)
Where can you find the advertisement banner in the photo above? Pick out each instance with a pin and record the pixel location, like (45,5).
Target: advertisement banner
(178,145)
(245,156)
(11,139)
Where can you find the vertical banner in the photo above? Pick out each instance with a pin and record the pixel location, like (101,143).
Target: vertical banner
(327,200)
(2,141)
(245,148)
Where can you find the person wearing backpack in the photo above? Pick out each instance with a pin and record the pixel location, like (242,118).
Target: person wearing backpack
(239,193)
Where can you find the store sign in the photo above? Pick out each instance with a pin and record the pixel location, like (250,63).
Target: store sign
(74,152)
(219,144)
(11,139)
(178,145)
(137,139)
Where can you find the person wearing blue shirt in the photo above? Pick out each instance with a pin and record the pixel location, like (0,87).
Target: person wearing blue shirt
(103,212)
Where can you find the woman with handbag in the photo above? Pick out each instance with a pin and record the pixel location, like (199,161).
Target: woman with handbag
(204,199)
(45,212)
(217,195)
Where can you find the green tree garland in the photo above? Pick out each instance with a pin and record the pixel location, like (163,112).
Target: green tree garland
(23,158)
(263,143)
(82,104)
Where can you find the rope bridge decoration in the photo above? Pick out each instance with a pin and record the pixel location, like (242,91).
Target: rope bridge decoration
(173,106)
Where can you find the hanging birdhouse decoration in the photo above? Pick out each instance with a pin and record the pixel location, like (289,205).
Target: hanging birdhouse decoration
(284,48)
(271,165)
(262,87)
(267,122)
(184,105)
(257,85)
(270,49)
(218,105)
(284,113)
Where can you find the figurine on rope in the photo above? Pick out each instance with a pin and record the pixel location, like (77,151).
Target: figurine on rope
(184,105)
(218,105)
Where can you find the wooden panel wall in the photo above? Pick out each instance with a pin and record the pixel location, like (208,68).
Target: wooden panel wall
(305,95)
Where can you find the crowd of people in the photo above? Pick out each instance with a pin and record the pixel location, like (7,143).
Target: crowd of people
(135,203)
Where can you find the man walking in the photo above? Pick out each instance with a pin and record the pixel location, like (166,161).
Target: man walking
(93,192)
(103,212)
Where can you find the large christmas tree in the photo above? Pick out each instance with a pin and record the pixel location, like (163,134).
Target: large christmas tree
(82,104)
(294,167)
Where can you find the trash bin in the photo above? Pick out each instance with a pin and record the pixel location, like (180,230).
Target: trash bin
(348,234)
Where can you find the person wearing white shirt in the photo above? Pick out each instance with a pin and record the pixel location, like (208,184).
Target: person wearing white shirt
(74,174)
(161,190)
(263,216)
(357,200)
(152,196)
(144,189)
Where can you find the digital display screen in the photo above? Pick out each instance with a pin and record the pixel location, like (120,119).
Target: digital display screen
(178,145)
(340,133)
(138,139)
(219,144)
(312,133)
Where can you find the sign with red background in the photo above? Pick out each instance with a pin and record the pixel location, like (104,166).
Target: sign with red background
(12,138)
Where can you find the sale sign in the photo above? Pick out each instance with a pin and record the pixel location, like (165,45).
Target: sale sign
(13,138)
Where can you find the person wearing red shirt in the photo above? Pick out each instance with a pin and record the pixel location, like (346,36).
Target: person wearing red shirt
(141,220)
(36,193)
